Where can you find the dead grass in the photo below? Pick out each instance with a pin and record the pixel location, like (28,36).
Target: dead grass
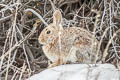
(21,22)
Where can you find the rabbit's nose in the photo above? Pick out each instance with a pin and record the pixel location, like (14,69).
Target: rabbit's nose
(40,43)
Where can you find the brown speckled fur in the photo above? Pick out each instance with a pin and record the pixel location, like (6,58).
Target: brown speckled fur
(76,43)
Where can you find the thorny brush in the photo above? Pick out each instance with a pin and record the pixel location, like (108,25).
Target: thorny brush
(19,48)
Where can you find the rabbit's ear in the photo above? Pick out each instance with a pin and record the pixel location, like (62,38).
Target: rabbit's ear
(57,17)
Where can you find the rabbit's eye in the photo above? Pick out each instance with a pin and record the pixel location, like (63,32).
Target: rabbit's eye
(48,32)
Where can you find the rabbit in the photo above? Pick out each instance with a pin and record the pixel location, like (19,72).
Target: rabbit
(71,44)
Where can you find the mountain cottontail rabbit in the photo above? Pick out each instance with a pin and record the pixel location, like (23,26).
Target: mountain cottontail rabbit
(72,44)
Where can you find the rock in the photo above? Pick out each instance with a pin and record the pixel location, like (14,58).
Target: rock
(79,72)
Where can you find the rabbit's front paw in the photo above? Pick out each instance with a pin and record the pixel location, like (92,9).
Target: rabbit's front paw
(58,62)
(52,65)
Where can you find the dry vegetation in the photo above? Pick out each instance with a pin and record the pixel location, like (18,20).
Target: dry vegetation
(20,52)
